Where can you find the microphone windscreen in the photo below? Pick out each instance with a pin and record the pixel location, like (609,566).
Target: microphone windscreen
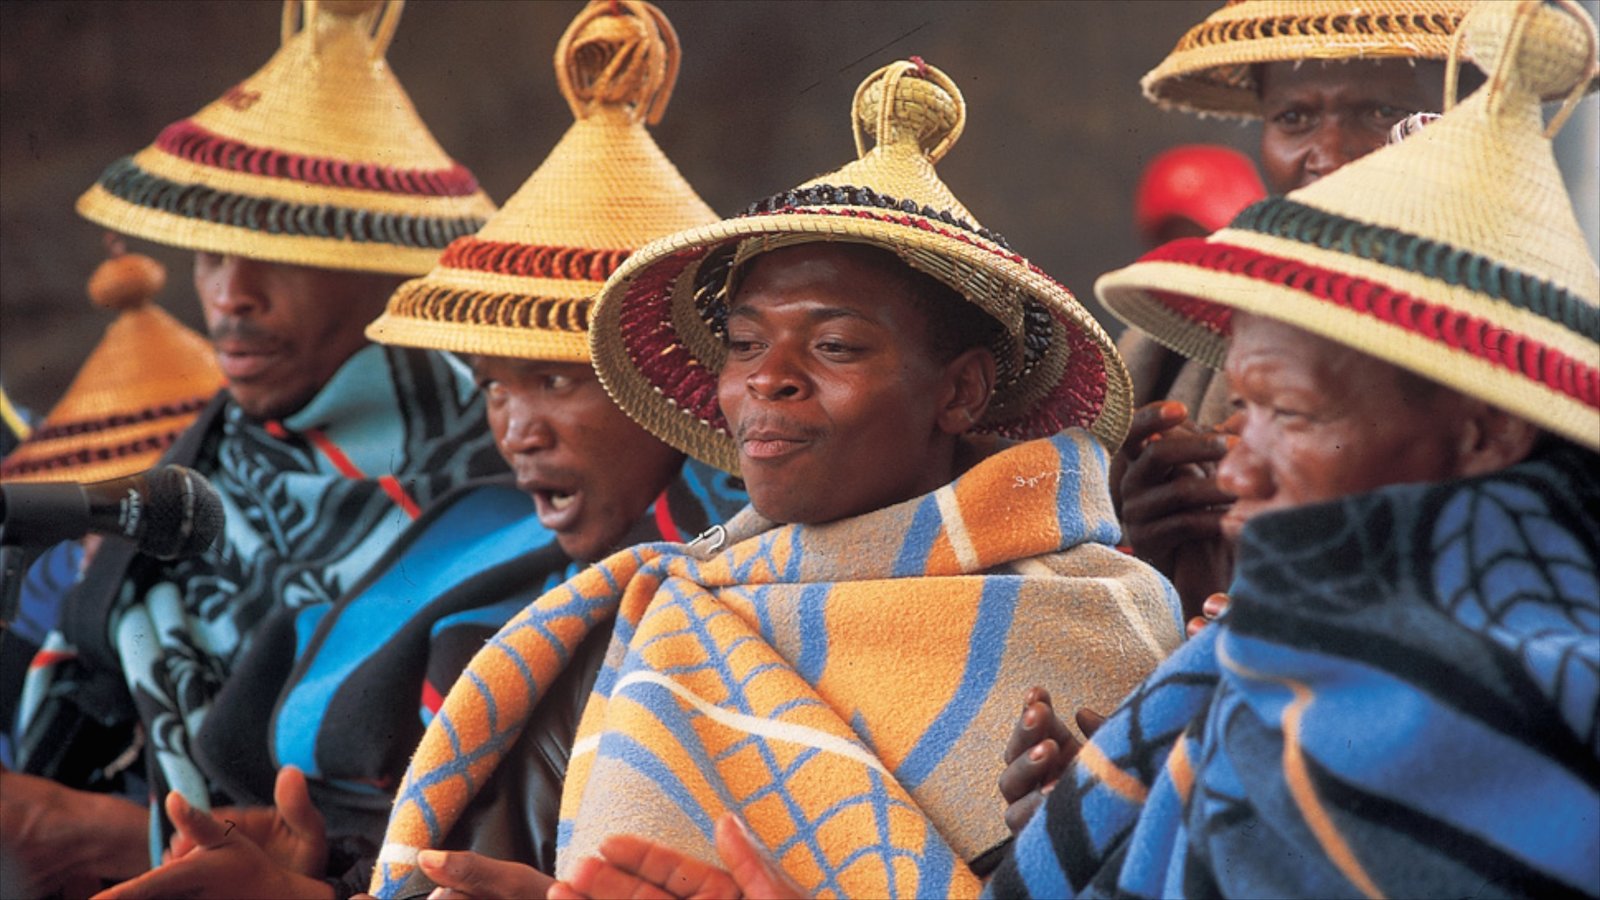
(185,513)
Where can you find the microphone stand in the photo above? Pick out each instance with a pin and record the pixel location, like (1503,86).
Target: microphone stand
(14,562)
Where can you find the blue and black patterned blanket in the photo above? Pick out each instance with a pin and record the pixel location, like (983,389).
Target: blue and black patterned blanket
(1402,701)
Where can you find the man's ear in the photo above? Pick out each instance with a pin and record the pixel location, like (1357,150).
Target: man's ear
(1493,439)
(969,386)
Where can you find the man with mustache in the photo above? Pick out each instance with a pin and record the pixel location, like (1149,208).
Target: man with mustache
(1327,79)
(322,447)
(588,480)
(836,663)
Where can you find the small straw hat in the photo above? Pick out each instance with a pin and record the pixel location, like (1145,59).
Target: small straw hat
(318,159)
(141,387)
(1454,253)
(1212,69)
(523,286)
(657,337)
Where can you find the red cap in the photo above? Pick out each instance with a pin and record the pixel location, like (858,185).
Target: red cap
(1204,183)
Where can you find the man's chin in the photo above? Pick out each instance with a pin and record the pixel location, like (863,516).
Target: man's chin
(264,405)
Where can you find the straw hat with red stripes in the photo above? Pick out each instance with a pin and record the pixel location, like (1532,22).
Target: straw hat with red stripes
(522,287)
(318,159)
(1454,253)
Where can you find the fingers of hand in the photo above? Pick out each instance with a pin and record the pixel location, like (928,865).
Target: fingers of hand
(1196,625)
(293,799)
(1038,722)
(596,877)
(754,873)
(1158,541)
(1030,771)
(196,827)
(1018,813)
(673,872)
(472,874)
(1151,419)
(1183,451)
(1088,721)
(1215,606)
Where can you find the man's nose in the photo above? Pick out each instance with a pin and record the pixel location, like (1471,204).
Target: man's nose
(1335,144)
(527,429)
(1244,473)
(233,287)
(776,376)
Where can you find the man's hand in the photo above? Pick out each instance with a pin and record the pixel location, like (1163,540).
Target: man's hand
(634,867)
(290,832)
(64,840)
(1171,506)
(1040,749)
(461,875)
(1214,607)
(221,862)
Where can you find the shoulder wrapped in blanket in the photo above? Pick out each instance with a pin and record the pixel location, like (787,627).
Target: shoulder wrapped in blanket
(1401,701)
(846,688)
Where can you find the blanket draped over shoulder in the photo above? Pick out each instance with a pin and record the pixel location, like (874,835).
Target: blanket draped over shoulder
(846,688)
(370,670)
(310,502)
(1402,700)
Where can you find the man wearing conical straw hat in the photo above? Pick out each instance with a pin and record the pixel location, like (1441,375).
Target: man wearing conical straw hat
(1402,698)
(514,301)
(305,191)
(921,417)
(1326,79)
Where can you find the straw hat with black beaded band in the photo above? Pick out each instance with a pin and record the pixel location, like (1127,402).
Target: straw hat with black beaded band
(522,287)
(1212,69)
(656,336)
(143,385)
(1454,254)
(318,159)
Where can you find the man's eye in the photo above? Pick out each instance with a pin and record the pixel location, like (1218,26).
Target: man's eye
(1292,120)
(558,382)
(835,348)
(1388,113)
(742,345)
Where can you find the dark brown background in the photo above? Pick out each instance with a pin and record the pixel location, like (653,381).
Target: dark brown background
(1056,133)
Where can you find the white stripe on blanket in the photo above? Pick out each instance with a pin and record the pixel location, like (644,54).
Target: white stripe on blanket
(955,528)
(778,731)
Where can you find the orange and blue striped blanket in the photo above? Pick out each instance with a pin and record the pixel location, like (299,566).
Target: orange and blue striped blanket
(846,688)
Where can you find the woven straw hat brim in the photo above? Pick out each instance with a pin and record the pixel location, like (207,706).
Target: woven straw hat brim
(658,358)
(1184,305)
(318,159)
(1210,69)
(1454,253)
(523,285)
(364,251)
(140,388)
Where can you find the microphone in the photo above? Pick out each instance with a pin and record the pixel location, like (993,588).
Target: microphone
(169,512)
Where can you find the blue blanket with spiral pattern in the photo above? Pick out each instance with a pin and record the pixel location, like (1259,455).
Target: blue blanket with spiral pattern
(1401,701)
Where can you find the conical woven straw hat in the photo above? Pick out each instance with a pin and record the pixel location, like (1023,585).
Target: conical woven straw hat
(1454,253)
(1212,69)
(143,385)
(522,287)
(318,159)
(656,336)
